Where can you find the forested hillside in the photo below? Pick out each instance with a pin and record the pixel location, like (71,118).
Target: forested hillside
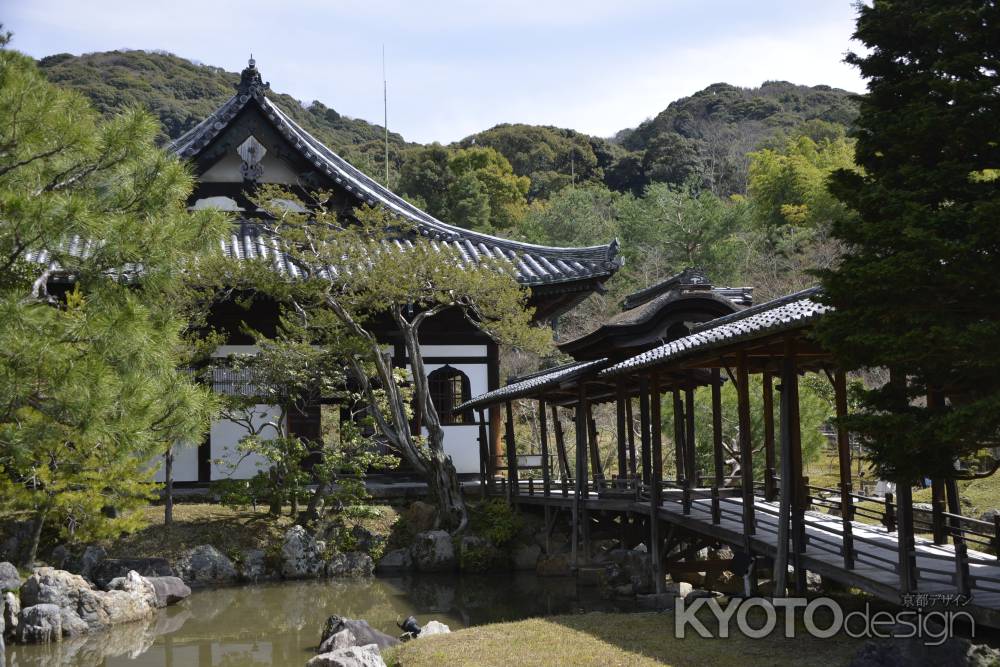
(182,93)
(730,179)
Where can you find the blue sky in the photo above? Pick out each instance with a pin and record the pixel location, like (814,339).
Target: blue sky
(456,67)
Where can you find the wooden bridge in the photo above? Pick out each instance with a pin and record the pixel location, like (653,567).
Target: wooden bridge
(877,544)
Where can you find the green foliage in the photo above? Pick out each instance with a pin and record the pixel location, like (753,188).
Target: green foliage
(494,520)
(815,411)
(181,94)
(473,187)
(917,292)
(89,376)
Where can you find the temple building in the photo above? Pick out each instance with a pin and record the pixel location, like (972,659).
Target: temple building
(249,140)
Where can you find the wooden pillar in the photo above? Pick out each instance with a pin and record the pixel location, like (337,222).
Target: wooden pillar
(655,492)
(496,439)
(844,458)
(543,436)
(961,549)
(484,454)
(582,486)
(679,445)
(560,446)
(631,437)
(792,450)
(904,535)
(746,443)
(620,423)
(512,481)
(596,469)
(647,458)
(768,396)
(690,453)
(717,453)
(934,401)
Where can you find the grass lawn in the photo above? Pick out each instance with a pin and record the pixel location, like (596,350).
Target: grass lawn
(615,639)
(228,530)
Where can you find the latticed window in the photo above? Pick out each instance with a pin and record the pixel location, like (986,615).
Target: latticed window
(449,388)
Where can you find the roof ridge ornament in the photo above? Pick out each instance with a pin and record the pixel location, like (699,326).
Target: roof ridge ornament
(251,84)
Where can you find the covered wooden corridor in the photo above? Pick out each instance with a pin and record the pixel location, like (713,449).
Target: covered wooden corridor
(773,515)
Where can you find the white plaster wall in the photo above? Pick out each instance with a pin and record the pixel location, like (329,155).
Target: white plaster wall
(461,441)
(225,438)
(453,350)
(185,464)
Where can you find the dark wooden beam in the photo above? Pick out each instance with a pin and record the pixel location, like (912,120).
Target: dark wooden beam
(844,459)
(647,458)
(511,453)
(622,438)
(690,454)
(768,396)
(655,492)
(679,446)
(717,427)
(746,443)
(560,445)
(543,436)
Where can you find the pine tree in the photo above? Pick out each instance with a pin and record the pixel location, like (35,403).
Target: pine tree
(94,235)
(917,292)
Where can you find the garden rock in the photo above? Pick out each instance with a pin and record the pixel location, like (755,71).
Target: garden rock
(341,639)
(81,609)
(355,656)
(553,566)
(477,554)
(91,557)
(252,565)
(420,516)
(168,590)
(350,564)
(205,566)
(989,514)
(433,628)
(364,633)
(111,568)
(364,539)
(10,579)
(11,611)
(40,623)
(525,556)
(301,554)
(433,551)
(398,559)
(912,652)
(630,567)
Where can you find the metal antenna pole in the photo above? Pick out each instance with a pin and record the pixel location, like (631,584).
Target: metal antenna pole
(385,117)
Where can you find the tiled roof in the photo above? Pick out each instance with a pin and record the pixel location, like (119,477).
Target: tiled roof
(535,264)
(788,312)
(542,380)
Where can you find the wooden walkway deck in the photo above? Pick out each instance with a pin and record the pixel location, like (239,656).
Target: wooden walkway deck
(875,548)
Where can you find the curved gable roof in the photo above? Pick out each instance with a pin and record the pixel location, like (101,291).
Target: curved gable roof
(536,264)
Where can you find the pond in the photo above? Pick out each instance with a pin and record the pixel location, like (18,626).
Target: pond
(280,623)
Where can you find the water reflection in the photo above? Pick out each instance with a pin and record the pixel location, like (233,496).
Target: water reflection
(279,624)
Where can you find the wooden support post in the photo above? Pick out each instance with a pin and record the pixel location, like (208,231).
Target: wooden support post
(655,492)
(935,401)
(597,470)
(790,384)
(647,458)
(582,486)
(679,445)
(622,441)
(961,549)
(938,501)
(690,456)
(768,396)
(484,454)
(746,443)
(511,454)
(844,458)
(543,436)
(906,549)
(717,428)
(631,438)
(560,447)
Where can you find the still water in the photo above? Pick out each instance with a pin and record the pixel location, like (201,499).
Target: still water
(280,623)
